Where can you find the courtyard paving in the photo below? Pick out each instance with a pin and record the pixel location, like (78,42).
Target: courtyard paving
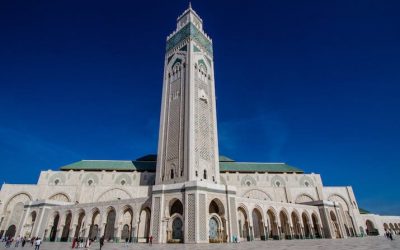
(367,243)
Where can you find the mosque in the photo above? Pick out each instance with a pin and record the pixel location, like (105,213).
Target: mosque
(187,193)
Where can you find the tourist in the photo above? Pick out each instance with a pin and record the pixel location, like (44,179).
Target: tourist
(73,242)
(126,242)
(151,240)
(37,243)
(23,241)
(8,242)
(32,240)
(88,243)
(17,240)
(390,235)
(101,242)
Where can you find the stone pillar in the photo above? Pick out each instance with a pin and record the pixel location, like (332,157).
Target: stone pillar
(59,233)
(87,231)
(135,233)
(102,228)
(232,222)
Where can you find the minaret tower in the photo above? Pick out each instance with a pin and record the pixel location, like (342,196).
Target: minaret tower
(188,142)
(188,203)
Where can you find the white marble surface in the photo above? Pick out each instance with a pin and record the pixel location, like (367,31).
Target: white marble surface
(367,243)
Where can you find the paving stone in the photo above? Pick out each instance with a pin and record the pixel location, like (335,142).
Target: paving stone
(366,243)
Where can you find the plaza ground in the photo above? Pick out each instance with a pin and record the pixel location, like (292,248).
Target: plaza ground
(367,243)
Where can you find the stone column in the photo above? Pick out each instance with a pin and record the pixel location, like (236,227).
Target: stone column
(59,233)
(102,229)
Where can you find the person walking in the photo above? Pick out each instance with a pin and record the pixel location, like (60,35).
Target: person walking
(101,242)
(73,242)
(17,240)
(88,243)
(8,242)
(126,242)
(38,242)
(23,241)
(151,240)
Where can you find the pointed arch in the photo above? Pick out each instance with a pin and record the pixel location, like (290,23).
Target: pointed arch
(114,194)
(296,223)
(305,217)
(285,224)
(243,222)
(273,225)
(60,196)
(302,198)
(258,223)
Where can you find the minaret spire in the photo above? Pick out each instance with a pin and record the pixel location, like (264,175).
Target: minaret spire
(190,5)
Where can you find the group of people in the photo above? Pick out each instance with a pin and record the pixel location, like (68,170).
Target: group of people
(22,241)
(81,243)
(389,234)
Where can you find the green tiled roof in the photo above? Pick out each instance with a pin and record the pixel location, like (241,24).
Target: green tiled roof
(363,211)
(257,167)
(148,163)
(111,165)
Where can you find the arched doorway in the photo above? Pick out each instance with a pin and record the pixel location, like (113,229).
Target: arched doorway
(306,225)
(316,226)
(347,230)
(285,226)
(370,228)
(127,218)
(53,231)
(94,226)
(144,225)
(213,226)
(335,226)
(396,228)
(258,225)
(272,225)
(175,230)
(391,227)
(30,225)
(79,225)
(296,226)
(10,233)
(243,224)
(16,212)
(176,207)
(385,226)
(125,235)
(67,225)
(110,225)
(217,223)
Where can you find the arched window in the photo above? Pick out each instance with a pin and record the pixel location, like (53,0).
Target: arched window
(172,174)
(205,174)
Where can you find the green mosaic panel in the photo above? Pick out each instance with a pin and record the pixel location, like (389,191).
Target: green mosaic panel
(192,31)
(195,49)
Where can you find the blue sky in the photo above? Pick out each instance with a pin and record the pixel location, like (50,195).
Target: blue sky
(311,83)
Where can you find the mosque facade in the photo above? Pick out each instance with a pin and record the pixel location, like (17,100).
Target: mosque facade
(187,193)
